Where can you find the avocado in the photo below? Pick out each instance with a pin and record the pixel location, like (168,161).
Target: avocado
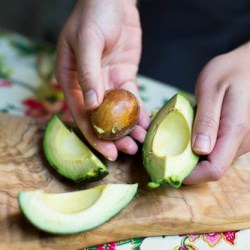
(167,152)
(76,211)
(69,155)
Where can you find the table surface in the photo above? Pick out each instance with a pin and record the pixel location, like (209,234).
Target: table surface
(28,88)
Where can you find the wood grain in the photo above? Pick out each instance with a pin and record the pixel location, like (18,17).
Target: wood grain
(210,207)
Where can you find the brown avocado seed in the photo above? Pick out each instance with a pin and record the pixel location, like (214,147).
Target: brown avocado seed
(116,116)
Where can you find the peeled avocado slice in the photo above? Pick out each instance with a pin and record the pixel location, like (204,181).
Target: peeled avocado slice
(167,152)
(69,155)
(76,211)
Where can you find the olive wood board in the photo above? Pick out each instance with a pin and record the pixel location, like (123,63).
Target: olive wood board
(210,207)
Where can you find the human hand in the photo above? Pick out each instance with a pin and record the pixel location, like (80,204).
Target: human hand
(222,124)
(99,48)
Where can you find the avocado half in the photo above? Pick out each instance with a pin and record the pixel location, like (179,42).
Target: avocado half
(167,151)
(68,154)
(77,211)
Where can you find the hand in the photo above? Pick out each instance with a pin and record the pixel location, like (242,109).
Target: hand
(99,48)
(222,124)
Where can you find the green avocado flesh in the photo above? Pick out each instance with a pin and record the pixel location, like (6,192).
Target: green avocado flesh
(167,152)
(69,156)
(77,211)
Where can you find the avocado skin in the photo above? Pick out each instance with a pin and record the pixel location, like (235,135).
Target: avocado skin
(96,175)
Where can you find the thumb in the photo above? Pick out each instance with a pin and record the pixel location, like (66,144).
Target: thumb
(88,55)
(206,124)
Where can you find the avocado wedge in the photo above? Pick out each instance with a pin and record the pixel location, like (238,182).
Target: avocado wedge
(69,155)
(167,152)
(77,211)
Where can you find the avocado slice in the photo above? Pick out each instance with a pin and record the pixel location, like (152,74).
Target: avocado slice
(167,151)
(77,211)
(68,154)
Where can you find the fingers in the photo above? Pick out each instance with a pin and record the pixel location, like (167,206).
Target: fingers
(82,47)
(66,74)
(138,133)
(81,116)
(106,148)
(90,46)
(67,77)
(216,164)
(126,145)
(232,130)
(209,102)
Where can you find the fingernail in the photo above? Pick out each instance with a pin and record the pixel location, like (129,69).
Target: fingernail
(202,143)
(90,98)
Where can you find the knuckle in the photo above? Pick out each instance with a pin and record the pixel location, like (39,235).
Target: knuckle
(79,34)
(79,37)
(85,76)
(207,121)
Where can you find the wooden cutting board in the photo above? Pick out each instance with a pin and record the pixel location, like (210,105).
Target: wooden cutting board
(210,207)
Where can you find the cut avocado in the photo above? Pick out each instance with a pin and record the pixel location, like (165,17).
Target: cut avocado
(167,151)
(74,212)
(69,155)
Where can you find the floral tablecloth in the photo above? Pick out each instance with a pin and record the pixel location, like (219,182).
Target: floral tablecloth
(28,87)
